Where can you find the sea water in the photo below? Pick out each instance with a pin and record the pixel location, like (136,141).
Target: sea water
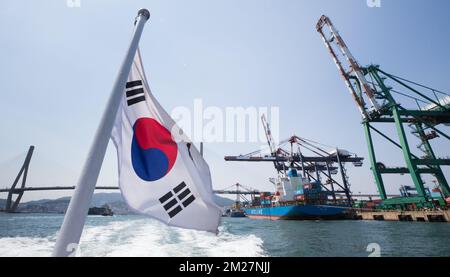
(131,235)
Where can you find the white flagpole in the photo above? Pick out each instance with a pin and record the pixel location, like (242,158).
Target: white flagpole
(72,227)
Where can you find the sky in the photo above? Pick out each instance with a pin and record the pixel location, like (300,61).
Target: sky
(59,64)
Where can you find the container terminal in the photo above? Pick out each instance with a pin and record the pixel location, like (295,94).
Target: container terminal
(305,187)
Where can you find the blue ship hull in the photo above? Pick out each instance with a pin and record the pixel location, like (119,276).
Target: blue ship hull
(298,212)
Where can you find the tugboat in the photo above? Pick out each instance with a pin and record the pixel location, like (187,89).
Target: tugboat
(237,213)
(236,210)
(233,212)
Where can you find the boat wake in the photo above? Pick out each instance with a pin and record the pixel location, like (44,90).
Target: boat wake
(141,237)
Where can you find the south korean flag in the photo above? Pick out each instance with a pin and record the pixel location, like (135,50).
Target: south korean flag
(161,173)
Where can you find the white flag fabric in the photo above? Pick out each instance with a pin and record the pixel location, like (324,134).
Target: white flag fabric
(161,173)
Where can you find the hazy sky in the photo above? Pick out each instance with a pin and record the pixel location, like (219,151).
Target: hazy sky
(58,65)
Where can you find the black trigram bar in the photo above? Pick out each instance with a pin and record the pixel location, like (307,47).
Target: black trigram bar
(175,211)
(188,201)
(183,194)
(170,204)
(135,100)
(166,197)
(179,187)
(134,92)
(171,200)
(133,84)
(133,89)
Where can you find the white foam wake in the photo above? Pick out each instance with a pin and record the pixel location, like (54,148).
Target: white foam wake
(25,247)
(142,237)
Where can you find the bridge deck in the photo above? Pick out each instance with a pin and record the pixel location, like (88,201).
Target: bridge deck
(113,188)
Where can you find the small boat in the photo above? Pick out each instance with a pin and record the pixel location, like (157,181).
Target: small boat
(237,213)
(233,212)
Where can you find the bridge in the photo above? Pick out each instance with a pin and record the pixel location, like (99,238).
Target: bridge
(11,205)
(18,191)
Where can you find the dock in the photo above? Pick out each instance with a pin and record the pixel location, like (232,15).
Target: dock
(419,216)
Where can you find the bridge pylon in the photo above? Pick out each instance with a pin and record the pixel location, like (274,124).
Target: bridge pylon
(12,204)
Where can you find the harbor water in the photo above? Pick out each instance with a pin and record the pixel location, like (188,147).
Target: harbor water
(130,235)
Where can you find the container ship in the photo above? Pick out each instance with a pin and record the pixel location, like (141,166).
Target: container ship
(296,198)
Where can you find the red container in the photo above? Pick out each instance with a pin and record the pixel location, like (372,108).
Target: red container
(300,197)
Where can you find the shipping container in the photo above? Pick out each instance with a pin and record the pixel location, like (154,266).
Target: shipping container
(300,197)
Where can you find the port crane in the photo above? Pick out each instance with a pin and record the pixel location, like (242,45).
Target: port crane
(316,161)
(241,191)
(386,99)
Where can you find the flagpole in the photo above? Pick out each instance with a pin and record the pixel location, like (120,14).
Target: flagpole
(72,227)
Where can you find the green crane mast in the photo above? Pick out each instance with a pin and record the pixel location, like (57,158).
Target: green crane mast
(370,84)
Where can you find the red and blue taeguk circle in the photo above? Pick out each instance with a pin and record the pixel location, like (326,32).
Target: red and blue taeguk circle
(153,151)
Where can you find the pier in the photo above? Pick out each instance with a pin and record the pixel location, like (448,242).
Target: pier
(418,216)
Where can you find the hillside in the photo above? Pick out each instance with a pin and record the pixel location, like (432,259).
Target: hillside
(114,200)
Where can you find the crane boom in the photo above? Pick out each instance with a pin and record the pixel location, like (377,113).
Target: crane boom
(354,72)
(269,137)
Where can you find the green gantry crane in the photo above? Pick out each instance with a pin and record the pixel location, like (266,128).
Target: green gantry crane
(370,84)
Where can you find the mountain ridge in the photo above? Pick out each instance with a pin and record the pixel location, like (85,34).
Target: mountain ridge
(113,199)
